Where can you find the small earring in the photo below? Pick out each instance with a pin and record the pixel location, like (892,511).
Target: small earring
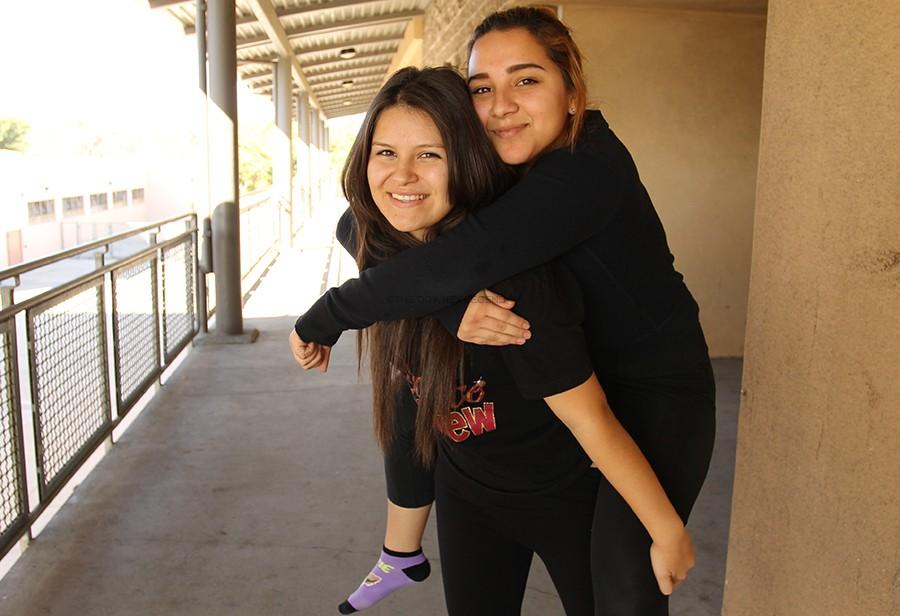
(571,110)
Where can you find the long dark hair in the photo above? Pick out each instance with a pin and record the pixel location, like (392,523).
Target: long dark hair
(476,176)
(556,39)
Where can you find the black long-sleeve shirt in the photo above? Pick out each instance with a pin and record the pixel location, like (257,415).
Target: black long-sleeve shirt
(587,205)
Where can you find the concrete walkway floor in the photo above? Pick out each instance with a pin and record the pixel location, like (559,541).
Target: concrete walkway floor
(249,487)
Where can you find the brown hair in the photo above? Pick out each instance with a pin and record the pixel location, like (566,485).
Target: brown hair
(476,177)
(556,39)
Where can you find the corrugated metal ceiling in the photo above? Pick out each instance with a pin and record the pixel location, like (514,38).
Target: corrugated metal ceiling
(317,32)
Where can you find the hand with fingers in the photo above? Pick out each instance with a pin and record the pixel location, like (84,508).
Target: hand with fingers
(309,354)
(489,320)
(671,561)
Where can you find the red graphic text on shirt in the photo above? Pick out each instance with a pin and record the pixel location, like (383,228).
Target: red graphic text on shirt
(464,421)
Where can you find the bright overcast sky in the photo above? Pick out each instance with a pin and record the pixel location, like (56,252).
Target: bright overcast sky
(81,59)
(77,70)
(111,65)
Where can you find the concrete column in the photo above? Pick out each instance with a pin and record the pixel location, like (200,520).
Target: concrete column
(304,171)
(282,160)
(322,157)
(201,188)
(326,178)
(223,143)
(815,522)
(314,156)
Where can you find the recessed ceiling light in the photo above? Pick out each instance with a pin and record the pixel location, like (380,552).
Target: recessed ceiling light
(347,83)
(347,103)
(348,53)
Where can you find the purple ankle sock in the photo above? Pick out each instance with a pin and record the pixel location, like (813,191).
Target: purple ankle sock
(389,574)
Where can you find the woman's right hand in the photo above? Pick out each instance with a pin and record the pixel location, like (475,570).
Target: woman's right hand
(309,354)
(489,320)
(671,561)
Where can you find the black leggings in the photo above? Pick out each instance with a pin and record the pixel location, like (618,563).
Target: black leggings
(676,432)
(672,419)
(487,540)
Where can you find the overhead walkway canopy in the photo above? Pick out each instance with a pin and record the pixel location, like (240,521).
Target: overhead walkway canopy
(341,51)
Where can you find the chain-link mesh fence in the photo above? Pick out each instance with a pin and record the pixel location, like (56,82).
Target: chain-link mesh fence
(13,505)
(136,330)
(69,376)
(178,296)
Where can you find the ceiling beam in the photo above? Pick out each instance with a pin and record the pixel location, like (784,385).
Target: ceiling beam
(265,13)
(351,24)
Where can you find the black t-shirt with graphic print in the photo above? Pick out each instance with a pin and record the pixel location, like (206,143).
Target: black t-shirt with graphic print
(501,433)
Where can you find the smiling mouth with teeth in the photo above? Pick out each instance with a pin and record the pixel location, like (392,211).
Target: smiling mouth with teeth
(407,198)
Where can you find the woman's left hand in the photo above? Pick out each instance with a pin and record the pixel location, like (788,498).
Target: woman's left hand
(671,561)
(489,320)
(309,354)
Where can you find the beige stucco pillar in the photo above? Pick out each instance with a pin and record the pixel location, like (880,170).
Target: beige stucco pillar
(816,513)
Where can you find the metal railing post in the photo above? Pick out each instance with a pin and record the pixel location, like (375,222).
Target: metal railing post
(159,314)
(204,263)
(107,337)
(203,260)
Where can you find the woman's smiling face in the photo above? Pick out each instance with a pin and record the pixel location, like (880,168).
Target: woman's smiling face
(519,94)
(407,170)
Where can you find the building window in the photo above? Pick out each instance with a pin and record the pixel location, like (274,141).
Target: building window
(137,196)
(99,201)
(72,206)
(41,211)
(120,198)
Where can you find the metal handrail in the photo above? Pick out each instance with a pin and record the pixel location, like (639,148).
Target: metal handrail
(116,392)
(18,270)
(97,273)
(118,370)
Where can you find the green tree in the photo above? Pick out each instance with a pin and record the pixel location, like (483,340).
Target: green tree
(13,134)
(255,168)
(254,157)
